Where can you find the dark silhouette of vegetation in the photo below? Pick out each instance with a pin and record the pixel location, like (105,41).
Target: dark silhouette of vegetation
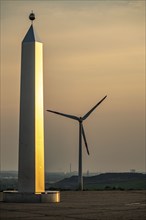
(104,181)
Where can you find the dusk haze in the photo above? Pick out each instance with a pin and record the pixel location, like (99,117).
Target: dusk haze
(91,49)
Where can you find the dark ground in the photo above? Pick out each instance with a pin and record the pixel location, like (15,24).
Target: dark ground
(99,205)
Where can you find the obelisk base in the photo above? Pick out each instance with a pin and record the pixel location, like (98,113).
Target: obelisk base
(19,197)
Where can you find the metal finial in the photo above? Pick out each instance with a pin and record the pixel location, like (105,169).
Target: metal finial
(32,16)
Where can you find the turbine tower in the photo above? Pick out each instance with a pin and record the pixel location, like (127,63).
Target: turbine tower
(81,134)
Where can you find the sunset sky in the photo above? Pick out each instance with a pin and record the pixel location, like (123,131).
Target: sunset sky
(91,49)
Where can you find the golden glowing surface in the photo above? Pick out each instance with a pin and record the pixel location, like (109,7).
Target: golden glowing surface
(39,120)
(58,197)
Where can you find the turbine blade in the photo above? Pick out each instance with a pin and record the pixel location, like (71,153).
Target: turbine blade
(84,137)
(65,115)
(88,113)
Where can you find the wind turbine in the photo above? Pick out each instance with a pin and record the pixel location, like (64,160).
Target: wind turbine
(81,134)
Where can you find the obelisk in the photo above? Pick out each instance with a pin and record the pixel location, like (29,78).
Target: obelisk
(31,124)
(31,180)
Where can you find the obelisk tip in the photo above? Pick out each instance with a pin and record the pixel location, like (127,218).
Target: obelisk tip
(32,16)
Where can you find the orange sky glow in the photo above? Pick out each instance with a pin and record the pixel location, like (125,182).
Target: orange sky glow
(91,49)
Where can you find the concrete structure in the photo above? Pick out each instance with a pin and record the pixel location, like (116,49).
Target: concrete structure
(19,197)
(31,134)
(31,179)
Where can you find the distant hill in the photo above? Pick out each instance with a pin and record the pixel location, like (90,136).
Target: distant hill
(105,181)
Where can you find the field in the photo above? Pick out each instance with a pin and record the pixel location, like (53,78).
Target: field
(93,205)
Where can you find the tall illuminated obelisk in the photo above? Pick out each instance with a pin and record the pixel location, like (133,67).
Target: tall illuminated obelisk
(31,180)
(31,129)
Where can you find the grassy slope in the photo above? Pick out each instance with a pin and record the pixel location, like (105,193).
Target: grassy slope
(132,184)
(106,181)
